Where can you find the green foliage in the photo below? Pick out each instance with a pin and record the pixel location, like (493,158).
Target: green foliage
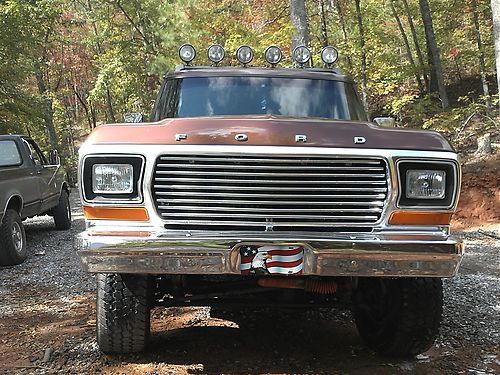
(453,119)
(15,38)
(103,57)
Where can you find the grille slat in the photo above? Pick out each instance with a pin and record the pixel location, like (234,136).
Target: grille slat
(265,174)
(202,202)
(265,210)
(268,188)
(282,160)
(267,216)
(305,168)
(261,193)
(266,195)
(264,182)
(248,224)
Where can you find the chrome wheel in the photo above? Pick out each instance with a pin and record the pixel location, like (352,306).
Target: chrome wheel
(17,237)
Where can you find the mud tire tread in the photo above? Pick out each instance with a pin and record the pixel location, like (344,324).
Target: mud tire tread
(123,313)
(412,317)
(8,254)
(62,219)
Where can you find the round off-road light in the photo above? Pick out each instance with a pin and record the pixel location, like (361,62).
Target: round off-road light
(301,55)
(187,53)
(329,55)
(244,54)
(273,55)
(216,53)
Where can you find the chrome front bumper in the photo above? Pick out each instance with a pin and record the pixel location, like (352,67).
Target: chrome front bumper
(389,255)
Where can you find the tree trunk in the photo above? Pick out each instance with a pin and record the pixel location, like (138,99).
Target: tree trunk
(482,66)
(484,145)
(46,97)
(407,46)
(109,103)
(417,44)
(49,109)
(344,31)
(457,66)
(364,88)
(85,107)
(495,8)
(324,31)
(433,80)
(298,15)
(93,112)
(434,51)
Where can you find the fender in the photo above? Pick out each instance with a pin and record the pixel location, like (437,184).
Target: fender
(12,196)
(64,186)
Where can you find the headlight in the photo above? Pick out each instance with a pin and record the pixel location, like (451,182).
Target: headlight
(187,53)
(429,184)
(216,53)
(112,178)
(109,178)
(329,55)
(301,55)
(244,54)
(273,55)
(425,184)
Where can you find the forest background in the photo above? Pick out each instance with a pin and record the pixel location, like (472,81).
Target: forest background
(68,66)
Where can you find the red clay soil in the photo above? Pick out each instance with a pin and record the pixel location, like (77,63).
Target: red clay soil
(479,204)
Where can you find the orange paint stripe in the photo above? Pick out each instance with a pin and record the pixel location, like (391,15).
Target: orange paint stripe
(116,213)
(419,218)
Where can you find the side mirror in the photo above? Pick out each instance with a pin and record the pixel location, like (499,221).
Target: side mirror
(133,117)
(386,122)
(54,158)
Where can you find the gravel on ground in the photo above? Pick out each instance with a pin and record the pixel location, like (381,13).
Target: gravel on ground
(47,324)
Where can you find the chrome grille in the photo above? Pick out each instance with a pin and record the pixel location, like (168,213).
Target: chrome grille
(263,193)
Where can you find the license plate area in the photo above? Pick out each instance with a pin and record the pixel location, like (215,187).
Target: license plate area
(259,259)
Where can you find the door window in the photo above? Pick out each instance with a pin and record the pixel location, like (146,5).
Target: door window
(9,154)
(35,153)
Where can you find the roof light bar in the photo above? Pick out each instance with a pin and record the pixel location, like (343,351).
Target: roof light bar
(187,53)
(329,55)
(301,55)
(273,55)
(244,54)
(216,53)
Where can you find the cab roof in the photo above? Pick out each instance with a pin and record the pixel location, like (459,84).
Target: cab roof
(229,71)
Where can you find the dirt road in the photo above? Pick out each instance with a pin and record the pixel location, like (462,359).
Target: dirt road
(47,324)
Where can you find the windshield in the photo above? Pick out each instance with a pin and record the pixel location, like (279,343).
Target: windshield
(234,96)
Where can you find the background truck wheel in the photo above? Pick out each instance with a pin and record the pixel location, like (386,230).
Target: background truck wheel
(62,212)
(398,317)
(12,239)
(123,313)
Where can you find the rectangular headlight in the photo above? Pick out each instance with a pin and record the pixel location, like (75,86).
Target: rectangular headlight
(112,178)
(425,184)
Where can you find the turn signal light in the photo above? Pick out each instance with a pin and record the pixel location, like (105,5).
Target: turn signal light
(419,218)
(116,213)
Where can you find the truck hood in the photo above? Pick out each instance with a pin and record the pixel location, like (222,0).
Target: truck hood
(269,131)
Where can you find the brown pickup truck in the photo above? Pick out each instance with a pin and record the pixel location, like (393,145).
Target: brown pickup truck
(30,185)
(268,186)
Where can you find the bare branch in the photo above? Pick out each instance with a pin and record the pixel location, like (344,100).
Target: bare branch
(135,26)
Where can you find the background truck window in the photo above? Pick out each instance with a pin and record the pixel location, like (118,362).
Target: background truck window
(9,154)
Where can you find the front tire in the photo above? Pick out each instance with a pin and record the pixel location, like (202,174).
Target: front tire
(62,212)
(123,313)
(398,317)
(12,239)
